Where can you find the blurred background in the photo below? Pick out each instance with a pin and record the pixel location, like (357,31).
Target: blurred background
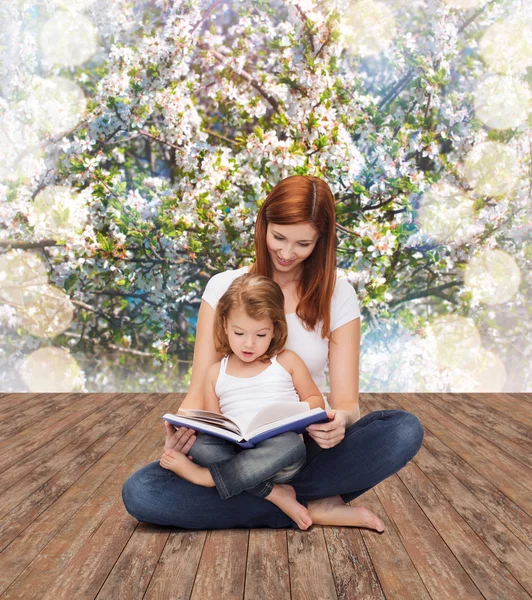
(139,139)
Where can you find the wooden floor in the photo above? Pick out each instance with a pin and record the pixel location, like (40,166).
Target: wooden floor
(458,517)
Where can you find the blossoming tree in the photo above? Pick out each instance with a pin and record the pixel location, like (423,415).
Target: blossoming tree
(141,138)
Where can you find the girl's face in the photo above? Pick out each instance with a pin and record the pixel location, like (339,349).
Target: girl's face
(289,245)
(249,339)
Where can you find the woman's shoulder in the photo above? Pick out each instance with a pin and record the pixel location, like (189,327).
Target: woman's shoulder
(344,301)
(218,284)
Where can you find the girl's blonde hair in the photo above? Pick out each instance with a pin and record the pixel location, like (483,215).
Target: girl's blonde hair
(259,297)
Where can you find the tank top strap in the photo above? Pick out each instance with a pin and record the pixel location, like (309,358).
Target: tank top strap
(274,359)
(223,364)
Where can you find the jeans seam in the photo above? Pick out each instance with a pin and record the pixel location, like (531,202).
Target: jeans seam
(218,481)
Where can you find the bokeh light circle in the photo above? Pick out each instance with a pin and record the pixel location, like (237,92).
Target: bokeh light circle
(465,4)
(507,46)
(47,311)
(68,39)
(51,370)
(58,104)
(502,101)
(20,271)
(446,213)
(20,150)
(481,372)
(455,338)
(58,211)
(492,276)
(371,27)
(491,168)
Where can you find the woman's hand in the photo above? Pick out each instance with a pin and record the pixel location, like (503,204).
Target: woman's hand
(180,439)
(328,435)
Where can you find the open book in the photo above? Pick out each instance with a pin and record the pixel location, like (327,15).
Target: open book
(268,422)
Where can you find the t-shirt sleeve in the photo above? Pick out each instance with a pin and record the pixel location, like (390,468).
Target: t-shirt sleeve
(344,304)
(214,290)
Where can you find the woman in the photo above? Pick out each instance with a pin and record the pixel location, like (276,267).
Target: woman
(295,241)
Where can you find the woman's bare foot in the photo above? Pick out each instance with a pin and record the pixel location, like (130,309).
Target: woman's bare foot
(182,466)
(334,511)
(284,496)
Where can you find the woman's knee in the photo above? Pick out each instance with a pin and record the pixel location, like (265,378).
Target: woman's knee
(409,431)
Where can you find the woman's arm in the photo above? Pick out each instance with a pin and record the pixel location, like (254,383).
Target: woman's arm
(344,374)
(344,358)
(205,355)
(305,387)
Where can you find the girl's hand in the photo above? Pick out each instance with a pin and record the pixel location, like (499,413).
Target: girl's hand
(328,435)
(180,439)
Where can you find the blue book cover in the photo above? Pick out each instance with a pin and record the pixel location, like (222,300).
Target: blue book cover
(271,421)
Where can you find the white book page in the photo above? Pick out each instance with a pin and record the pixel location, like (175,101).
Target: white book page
(234,435)
(268,426)
(278,411)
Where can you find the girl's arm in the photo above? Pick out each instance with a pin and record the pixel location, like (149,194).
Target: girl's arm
(211,400)
(205,355)
(305,387)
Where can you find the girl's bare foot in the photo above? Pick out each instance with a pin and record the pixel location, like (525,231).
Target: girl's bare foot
(182,466)
(334,511)
(284,496)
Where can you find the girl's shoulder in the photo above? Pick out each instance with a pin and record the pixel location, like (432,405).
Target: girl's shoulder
(287,359)
(214,370)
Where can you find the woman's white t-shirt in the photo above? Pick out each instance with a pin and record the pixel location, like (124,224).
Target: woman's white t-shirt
(309,345)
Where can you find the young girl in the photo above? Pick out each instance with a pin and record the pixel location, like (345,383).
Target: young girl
(250,329)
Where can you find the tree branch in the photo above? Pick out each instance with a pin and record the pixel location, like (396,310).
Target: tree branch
(428,292)
(220,58)
(27,245)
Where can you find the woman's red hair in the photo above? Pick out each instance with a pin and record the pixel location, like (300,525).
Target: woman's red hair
(294,200)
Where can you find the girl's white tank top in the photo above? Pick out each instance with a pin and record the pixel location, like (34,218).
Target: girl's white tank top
(241,398)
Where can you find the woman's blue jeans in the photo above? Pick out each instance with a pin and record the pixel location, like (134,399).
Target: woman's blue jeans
(375,447)
(254,470)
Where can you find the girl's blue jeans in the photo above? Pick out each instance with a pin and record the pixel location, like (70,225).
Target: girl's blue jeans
(254,470)
(375,447)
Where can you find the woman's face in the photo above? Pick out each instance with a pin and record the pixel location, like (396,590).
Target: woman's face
(289,245)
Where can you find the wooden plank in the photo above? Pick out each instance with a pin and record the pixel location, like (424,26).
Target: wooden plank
(114,417)
(42,432)
(8,402)
(489,575)
(521,396)
(267,573)
(443,575)
(21,466)
(516,408)
(175,573)
(501,430)
(310,573)
(498,467)
(506,511)
(508,549)
(222,569)
(48,546)
(134,568)
(397,574)
(30,507)
(353,571)
(24,417)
